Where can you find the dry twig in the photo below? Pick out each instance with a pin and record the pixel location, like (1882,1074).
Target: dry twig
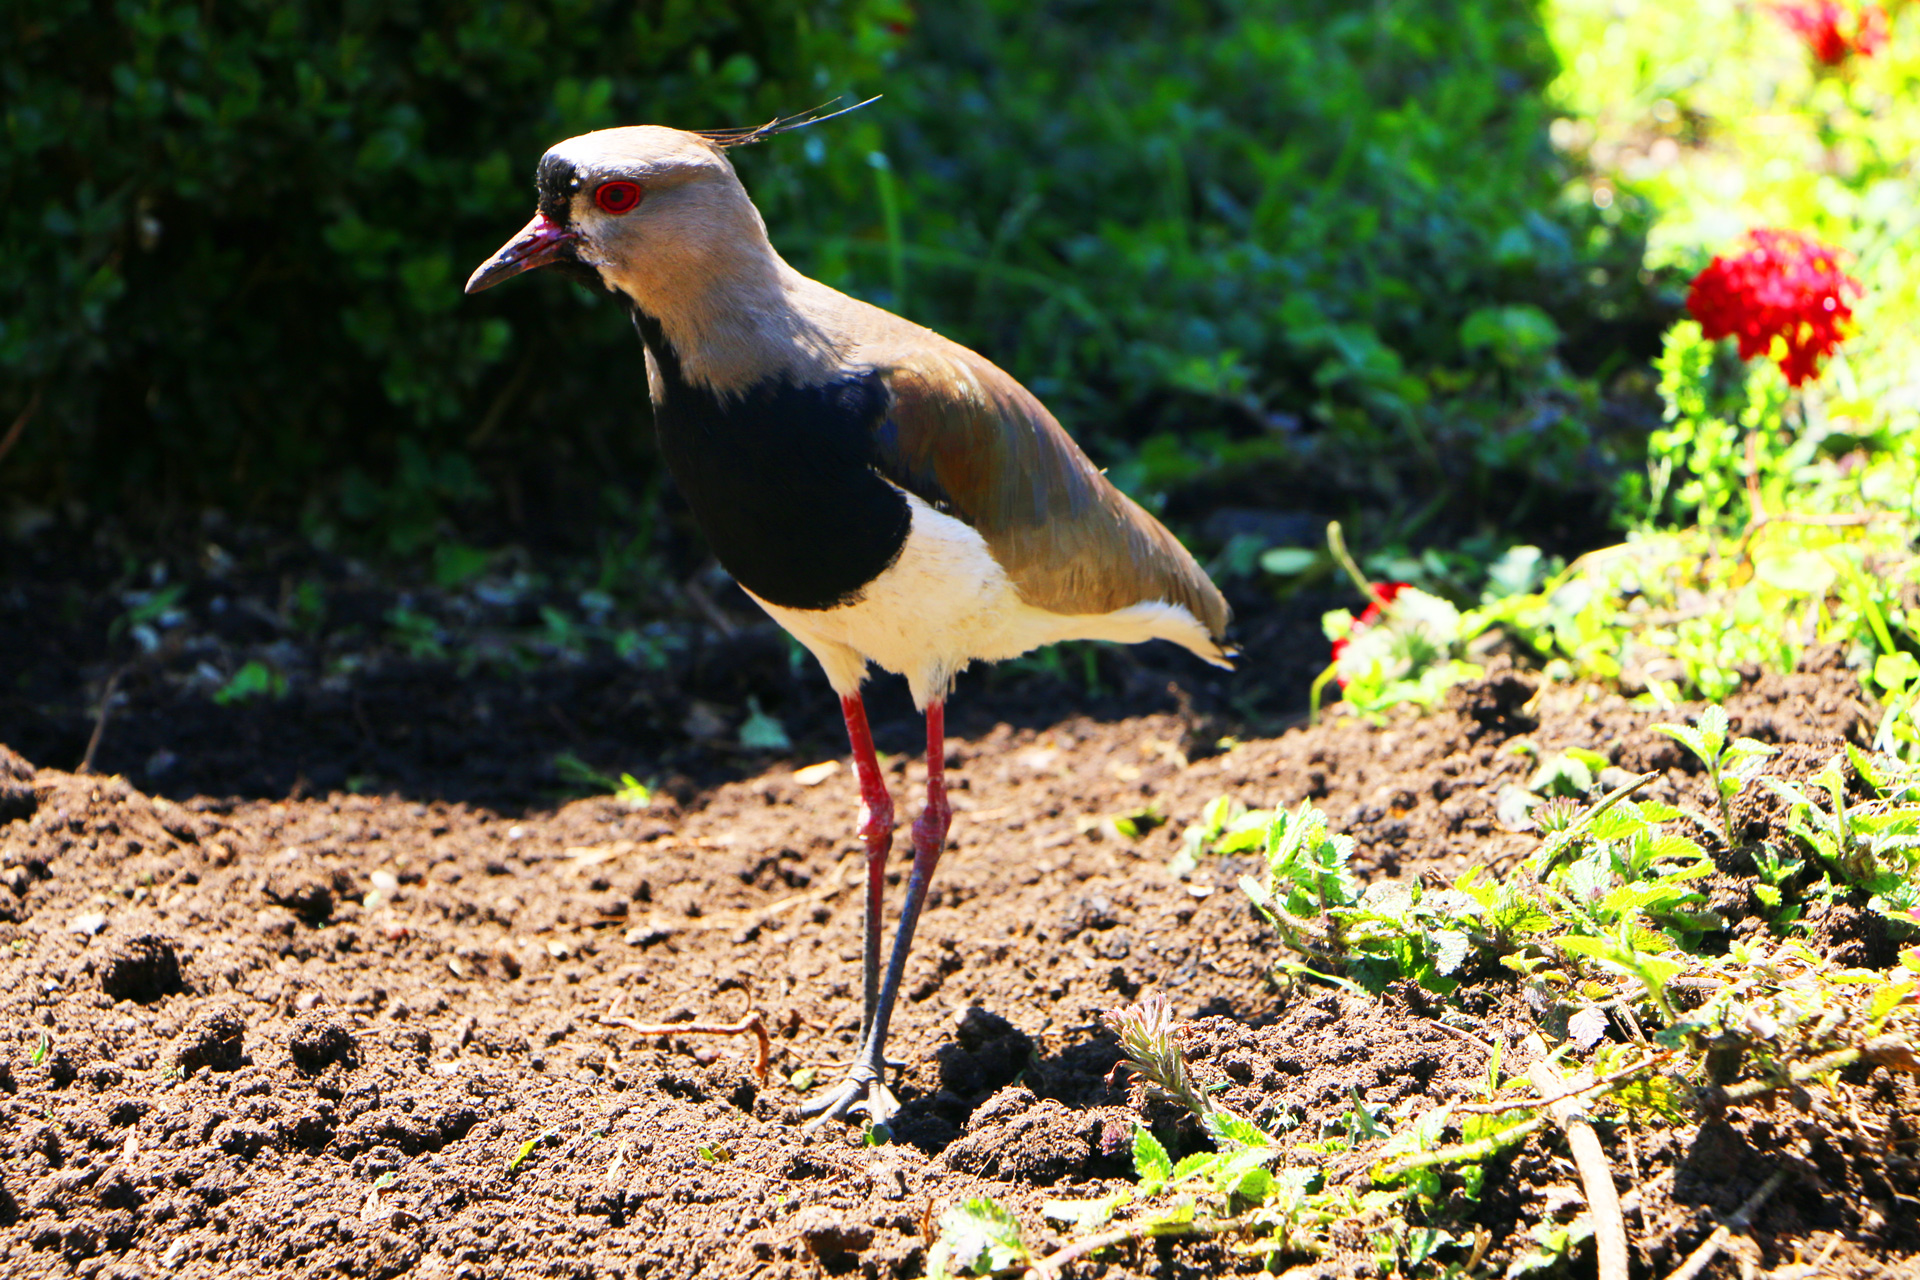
(100,721)
(20,423)
(1596,1176)
(753,1024)
(1710,1247)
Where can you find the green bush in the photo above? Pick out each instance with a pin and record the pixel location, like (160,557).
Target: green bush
(237,234)
(1211,234)
(1242,215)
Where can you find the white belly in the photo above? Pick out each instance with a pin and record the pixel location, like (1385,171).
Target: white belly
(945,602)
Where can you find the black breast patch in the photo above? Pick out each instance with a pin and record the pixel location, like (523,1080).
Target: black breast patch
(781,480)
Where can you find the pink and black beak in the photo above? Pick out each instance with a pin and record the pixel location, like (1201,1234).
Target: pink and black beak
(538,243)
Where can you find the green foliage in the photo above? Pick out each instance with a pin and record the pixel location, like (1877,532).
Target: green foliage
(1766,527)
(762,732)
(237,234)
(1245,209)
(1731,762)
(976,1236)
(1767,520)
(1621,957)
(254,679)
(1873,845)
(579,775)
(240,233)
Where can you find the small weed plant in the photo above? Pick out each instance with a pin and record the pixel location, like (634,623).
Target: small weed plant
(1641,994)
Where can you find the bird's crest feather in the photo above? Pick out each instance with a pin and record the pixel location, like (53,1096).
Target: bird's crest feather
(727,138)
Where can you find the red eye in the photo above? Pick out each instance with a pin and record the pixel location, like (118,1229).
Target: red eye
(618,197)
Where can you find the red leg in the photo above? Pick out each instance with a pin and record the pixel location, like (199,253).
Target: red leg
(876,829)
(865,1087)
(930,828)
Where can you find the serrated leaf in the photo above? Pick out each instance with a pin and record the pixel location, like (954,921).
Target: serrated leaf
(1638,896)
(1617,823)
(980,1236)
(1689,738)
(1867,768)
(1198,1162)
(1657,971)
(1586,880)
(1587,1028)
(1084,1215)
(1251,1184)
(1713,725)
(1677,846)
(1788,791)
(1450,947)
(1593,948)
(1151,1163)
(1224,1126)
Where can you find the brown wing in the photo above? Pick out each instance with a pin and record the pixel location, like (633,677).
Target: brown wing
(965,437)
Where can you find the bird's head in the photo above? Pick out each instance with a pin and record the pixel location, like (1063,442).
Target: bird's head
(648,211)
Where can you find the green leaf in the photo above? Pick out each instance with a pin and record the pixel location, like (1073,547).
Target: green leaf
(981,1236)
(1893,672)
(1254,1185)
(251,681)
(1677,846)
(1288,562)
(1450,947)
(762,732)
(1198,1162)
(1151,1163)
(1884,1001)
(1224,1126)
(1084,1215)
(1869,771)
(1693,740)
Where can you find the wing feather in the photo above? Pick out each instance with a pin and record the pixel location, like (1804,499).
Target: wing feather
(967,438)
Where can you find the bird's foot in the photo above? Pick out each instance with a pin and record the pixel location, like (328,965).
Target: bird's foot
(862,1090)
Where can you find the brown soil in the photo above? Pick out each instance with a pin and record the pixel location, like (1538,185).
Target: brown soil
(380,1035)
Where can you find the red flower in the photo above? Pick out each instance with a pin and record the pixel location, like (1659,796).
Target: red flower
(1819,23)
(1786,286)
(1383,594)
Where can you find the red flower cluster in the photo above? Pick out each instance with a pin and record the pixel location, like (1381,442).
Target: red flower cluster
(1819,23)
(1786,286)
(1383,594)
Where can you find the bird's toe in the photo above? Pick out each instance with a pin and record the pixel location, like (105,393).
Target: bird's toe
(861,1091)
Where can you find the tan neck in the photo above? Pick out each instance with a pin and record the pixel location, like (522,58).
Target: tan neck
(738,319)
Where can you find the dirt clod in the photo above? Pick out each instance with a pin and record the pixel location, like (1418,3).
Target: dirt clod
(304,891)
(142,968)
(319,1040)
(215,1038)
(1024,1139)
(17,797)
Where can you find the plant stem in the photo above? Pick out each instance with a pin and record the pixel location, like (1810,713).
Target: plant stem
(1337,544)
(1466,1152)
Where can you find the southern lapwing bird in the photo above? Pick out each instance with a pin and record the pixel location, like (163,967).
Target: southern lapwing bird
(888,496)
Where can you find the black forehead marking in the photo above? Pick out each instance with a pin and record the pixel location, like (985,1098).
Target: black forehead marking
(556,180)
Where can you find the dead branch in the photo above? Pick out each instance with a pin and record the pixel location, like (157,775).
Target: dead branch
(1710,1247)
(753,1024)
(20,423)
(1596,1176)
